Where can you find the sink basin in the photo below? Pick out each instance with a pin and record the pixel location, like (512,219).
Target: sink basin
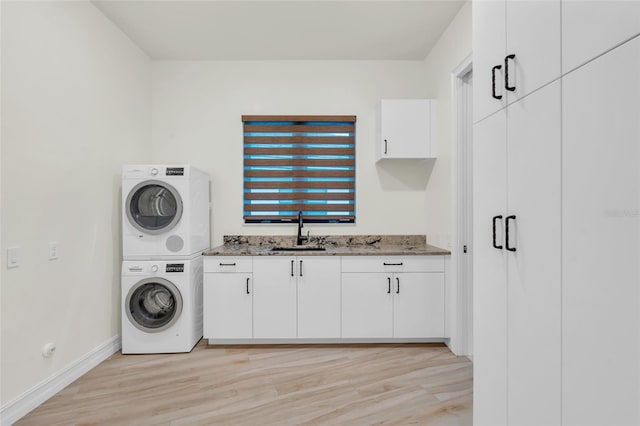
(298,249)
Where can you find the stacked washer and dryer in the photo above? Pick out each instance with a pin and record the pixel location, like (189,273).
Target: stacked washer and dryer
(165,229)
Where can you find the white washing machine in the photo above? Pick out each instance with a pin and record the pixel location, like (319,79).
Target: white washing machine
(161,305)
(165,211)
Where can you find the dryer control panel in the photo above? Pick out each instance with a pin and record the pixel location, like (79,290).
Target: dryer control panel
(175,267)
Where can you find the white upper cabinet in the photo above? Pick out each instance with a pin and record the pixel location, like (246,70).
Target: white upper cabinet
(533,36)
(405,129)
(489,42)
(590,28)
(516,48)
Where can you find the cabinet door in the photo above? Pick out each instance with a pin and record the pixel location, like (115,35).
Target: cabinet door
(533,35)
(405,128)
(274,298)
(418,307)
(601,240)
(318,297)
(367,305)
(534,288)
(591,27)
(488,20)
(489,272)
(227,306)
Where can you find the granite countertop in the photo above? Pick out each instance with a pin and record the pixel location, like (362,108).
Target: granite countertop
(342,245)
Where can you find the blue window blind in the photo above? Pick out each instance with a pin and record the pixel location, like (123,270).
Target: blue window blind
(299,163)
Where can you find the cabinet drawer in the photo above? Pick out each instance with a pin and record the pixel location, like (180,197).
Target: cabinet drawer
(228,264)
(393,264)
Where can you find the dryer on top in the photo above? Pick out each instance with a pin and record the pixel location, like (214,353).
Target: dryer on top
(165,211)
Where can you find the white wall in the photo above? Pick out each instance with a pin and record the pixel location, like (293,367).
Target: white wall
(75,107)
(452,48)
(196,119)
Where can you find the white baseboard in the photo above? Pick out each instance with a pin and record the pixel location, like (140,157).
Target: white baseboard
(320,341)
(30,399)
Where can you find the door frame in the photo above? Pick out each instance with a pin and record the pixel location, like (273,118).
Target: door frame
(461,329)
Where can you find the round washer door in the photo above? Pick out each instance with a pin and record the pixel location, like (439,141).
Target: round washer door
(154,207)
(153,304)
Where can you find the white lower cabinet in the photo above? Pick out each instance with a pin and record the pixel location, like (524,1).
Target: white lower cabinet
(296,297)
(367,305)
(418,305)
(312,297)
(227,301)
(318,297)
(402,305)
(274,299)
(393,304)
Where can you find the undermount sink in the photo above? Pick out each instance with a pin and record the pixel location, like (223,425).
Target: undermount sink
(298,249)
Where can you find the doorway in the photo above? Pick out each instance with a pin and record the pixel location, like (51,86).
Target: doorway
(462,199)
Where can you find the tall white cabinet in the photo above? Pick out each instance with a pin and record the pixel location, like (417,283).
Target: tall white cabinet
(601,240)
(517,239)
(557,229)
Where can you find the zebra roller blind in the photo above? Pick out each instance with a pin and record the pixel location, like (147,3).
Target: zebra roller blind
(299,163)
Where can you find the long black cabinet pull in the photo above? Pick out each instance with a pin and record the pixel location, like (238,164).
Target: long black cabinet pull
(385,146)
(392,264)
(301,268)
(493,82)
(247,285)
(495,245)
(398,287)
(389,288)
(506,73)
(292,268)
(228,264)
(506,221)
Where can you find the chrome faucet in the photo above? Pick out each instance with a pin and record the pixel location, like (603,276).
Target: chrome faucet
(300,226)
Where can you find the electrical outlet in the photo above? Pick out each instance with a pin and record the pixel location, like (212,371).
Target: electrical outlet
(13,257)
(54,250)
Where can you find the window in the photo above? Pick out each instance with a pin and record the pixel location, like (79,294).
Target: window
(299,163)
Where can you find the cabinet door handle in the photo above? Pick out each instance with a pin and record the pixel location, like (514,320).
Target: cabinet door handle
(506,73)
(385,146)
(495,245)
(292,268)
(301,268)
(508,218)
(493,82)
(247,285)
(228,264)
(389,288)
(398,287)
(392,264)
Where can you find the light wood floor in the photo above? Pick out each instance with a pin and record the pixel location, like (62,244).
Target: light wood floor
(421,384)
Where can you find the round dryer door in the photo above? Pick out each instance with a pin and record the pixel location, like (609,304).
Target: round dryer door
(153,304)
(154,207)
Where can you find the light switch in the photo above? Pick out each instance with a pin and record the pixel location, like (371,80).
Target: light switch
(13,257)
(53,250)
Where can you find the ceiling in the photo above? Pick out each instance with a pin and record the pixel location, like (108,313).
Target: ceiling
(302,29)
